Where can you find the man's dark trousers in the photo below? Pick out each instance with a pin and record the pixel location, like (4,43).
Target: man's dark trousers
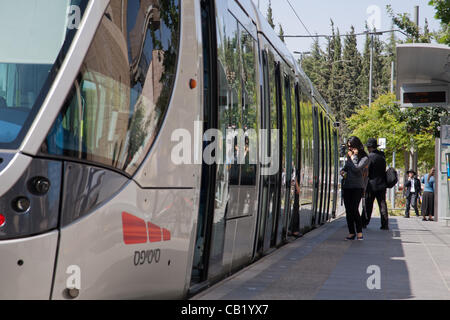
(411,199)
(381,199)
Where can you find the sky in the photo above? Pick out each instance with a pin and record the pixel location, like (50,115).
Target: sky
(316,15)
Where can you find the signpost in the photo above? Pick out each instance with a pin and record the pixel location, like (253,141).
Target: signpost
(448,176)
(445,135)
(382,143)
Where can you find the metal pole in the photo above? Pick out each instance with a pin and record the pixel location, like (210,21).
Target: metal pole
(416,19)
(392,76)
(393,189)
(371,70)
(416,15)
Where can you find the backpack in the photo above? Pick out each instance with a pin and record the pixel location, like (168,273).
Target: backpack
(391,178)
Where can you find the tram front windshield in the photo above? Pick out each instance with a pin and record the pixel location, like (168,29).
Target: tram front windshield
(32,34)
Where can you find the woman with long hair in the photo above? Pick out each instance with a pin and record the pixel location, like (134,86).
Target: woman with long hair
(355,174)
(428,196)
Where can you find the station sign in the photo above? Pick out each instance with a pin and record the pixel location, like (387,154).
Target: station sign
(382,143)
(425,95)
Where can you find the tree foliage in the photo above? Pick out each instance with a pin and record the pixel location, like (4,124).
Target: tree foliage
(405,130)
(281,33)
(270,15)
(341,74)
(442,8)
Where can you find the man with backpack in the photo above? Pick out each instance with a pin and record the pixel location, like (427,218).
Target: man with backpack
(376,188)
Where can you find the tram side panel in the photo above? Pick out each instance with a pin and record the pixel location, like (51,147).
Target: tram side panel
(134,246)
(138,241)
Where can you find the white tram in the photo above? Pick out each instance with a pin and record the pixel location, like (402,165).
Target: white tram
(93,94)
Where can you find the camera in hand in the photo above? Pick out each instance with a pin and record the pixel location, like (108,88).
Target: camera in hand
(343,150)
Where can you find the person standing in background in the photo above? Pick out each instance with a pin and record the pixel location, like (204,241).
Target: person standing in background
(376,187)
(413,189)
(355,172)
(428,196)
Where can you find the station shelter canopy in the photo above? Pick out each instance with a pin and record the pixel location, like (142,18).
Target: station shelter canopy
(423,75)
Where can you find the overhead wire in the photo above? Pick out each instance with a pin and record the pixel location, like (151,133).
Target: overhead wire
(298,17)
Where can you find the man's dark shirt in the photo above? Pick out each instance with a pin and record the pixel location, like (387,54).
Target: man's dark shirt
(377,171)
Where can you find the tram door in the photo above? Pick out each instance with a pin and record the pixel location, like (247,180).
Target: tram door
(228,192)
(271,183)
(335,173)
(208,182)
(320,147)
(328,169)
(286,169)
(262,241)
(316,168)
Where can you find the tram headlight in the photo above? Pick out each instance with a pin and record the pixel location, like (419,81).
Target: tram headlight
(21,204)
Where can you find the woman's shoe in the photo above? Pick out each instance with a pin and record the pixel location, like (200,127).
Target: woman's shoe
(351,238)
(424,219)
(431,219)
(360,238)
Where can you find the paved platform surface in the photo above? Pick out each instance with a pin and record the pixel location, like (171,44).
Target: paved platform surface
(413,260)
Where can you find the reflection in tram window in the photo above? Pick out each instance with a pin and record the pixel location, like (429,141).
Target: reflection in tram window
(307,165)
(120,98)
(236,178)
(249,108)
(29,59)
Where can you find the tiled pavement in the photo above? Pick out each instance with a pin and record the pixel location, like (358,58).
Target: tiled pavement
(413,258)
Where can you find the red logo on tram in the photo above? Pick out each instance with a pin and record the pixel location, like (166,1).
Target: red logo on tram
(137,231)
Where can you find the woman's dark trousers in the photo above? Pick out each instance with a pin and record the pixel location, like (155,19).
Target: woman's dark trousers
(352,198)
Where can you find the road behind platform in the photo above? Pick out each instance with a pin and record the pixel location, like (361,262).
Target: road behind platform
(413,260)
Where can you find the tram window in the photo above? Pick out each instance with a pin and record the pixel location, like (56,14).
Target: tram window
(249,107)
(273,102)
(30,57)
(230,113)
(297,128)
(120,97)
(295,133)
(307,183)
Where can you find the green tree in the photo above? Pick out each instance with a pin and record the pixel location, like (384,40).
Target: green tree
(380,83)
(380,78)
(389,58)
(407,130)
(351,71)
(382,120)
(363,78)
(404,22)
(314,66)
(442,8)
(423,122)
(328,63)
(270,15)
(336,77)
(281,33)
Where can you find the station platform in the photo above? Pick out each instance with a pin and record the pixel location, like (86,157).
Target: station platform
(413,260)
